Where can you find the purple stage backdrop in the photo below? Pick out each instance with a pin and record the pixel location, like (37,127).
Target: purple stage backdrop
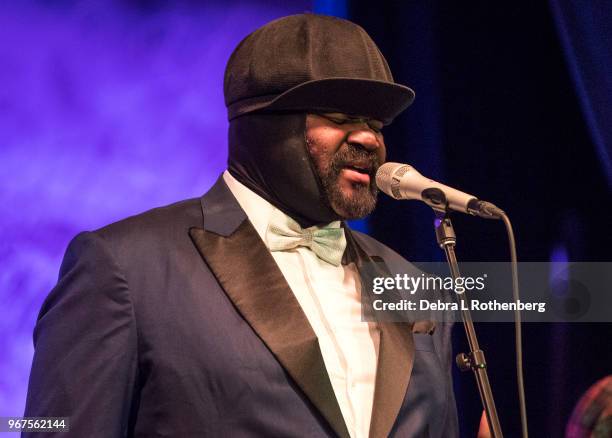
(107,109)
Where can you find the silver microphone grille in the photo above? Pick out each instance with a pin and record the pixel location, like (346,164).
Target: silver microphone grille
(383,172)
(387,178)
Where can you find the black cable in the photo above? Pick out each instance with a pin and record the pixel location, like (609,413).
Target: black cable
(518,337)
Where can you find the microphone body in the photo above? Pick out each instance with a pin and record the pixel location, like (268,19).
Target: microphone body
(402,181)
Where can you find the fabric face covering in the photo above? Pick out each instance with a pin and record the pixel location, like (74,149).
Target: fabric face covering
(269,155)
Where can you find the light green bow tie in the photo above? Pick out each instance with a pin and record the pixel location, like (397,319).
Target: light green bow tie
(328,242)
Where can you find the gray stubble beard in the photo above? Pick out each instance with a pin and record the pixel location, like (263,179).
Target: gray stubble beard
(363,200)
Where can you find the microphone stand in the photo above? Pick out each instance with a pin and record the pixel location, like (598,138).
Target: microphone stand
(475,359)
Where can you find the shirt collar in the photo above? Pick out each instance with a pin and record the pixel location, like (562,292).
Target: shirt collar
(257,209)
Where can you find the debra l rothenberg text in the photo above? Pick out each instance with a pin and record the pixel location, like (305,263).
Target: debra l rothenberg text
(473,305)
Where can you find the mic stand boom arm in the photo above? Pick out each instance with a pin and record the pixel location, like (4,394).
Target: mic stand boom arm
(474,360)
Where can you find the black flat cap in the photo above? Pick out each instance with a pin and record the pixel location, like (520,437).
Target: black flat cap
(313,63)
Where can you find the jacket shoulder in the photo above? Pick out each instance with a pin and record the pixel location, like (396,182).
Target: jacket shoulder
(148,240)
(159,223)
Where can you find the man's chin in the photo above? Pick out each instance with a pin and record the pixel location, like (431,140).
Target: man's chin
(348,199)
(354,206)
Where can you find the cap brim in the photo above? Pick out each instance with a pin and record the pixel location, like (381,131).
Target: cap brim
(379,100)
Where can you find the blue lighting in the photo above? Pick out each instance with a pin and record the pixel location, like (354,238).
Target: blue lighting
(337,8)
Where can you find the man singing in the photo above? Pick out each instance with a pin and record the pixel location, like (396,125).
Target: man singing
(239,314)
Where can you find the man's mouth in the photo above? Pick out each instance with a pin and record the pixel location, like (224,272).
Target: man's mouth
(357,172)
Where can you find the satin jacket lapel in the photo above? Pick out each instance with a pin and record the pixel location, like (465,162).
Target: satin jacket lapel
(252,280)
(395,360)
(395,355)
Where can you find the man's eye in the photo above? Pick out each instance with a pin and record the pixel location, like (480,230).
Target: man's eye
(374,125)
(338,121)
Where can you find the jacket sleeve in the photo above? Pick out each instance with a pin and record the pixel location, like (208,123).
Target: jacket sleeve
(85,341)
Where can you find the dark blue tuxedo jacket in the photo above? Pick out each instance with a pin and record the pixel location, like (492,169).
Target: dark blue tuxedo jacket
(177,322)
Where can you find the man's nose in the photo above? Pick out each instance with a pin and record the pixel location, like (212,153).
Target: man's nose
(365,138)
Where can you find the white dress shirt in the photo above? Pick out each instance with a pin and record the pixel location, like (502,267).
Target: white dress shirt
(330,297)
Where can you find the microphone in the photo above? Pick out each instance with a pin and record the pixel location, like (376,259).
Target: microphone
(401,181)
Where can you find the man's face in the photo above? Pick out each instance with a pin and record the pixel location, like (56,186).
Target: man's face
(347,152)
